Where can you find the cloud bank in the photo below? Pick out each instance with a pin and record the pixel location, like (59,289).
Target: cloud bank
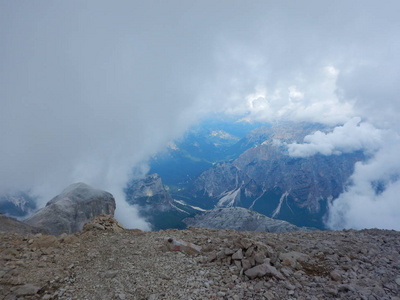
(89,90)
(372,200)
(350,137)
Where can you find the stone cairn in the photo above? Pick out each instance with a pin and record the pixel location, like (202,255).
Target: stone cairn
(103,223)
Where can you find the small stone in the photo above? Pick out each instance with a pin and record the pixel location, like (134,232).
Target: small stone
(110,274)
(246,243)
(397,280)
(269,296)
(264,269)
(290,287)
(246,264)
(249,252)
(238,255)
(229,251)
(331,289)
(26,290)
(212,257)
(291,258)
(166,277)
(259,258)
(238,264)
(335,276)
(259,285)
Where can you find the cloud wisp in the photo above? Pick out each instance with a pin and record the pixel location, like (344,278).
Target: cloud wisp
(371,201)
(354,135)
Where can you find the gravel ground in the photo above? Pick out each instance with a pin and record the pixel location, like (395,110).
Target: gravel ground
(106,262)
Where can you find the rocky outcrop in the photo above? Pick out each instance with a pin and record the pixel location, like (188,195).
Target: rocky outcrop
(240,219)
(149,193)
(155,203)
(104,223)
(69,211)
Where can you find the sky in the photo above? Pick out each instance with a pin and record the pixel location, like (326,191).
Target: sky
(91,89)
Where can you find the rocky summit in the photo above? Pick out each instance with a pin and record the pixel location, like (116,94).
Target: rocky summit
(240,219)
(105,261)
(69,211)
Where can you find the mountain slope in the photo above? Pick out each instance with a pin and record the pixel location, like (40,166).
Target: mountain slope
(240,219)
(266,179)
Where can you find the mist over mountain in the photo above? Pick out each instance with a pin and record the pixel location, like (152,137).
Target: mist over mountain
(18,204)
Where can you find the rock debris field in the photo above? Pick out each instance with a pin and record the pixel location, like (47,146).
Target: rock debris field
(105,261)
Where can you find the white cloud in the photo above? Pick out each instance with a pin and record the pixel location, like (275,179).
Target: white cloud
(372,198)
(308,97)
(354,135)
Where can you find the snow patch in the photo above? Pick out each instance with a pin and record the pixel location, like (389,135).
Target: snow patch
(194,207)
(229,199)
(254,202)
(278,208)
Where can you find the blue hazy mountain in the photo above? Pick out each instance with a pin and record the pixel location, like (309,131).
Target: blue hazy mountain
(222,164)
(212,141)
(17,204)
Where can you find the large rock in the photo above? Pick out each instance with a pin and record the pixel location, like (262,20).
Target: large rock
(240,219)
(74,207)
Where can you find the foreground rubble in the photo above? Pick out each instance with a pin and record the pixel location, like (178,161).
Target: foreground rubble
(107,262)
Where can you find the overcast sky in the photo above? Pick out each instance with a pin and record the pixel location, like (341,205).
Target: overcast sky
(90,89)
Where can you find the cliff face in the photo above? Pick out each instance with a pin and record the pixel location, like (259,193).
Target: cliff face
(155,203)
(238,218)
(149,193)
(69,211)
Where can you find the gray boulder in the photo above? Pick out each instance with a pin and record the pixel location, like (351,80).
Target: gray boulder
(74,207)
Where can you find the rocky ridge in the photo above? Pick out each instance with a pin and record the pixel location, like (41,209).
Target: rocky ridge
(70,210)
(240,219)
(108,262)
(8,224)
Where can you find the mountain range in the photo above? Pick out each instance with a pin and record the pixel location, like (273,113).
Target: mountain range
(214,168)
(220,164)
